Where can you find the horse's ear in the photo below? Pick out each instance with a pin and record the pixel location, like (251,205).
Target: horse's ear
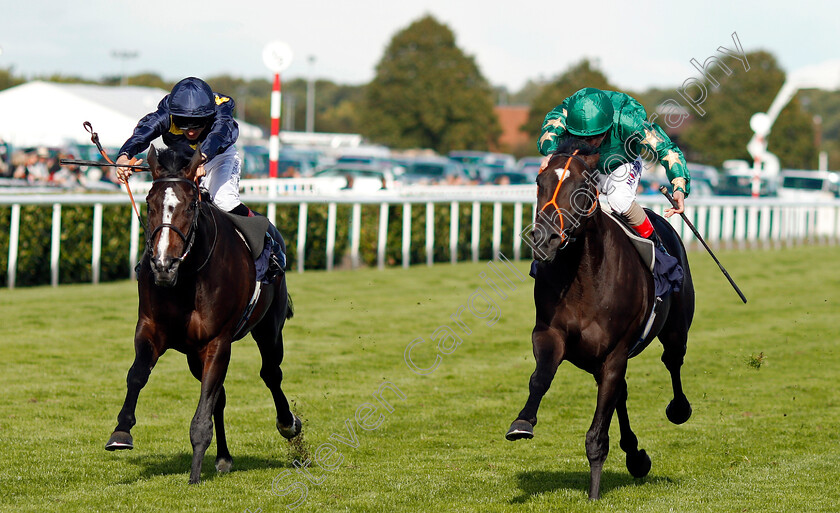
(196,161)
(592,160)
(151,158)
(547,165)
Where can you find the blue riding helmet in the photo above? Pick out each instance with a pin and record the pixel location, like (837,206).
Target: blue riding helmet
(192,98)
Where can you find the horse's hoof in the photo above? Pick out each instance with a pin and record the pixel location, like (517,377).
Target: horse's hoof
(678,411)
(638,464)
(292,431)
(520,429)
(119,440)
(223,465)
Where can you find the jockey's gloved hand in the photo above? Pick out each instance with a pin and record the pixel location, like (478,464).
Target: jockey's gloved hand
(679,197)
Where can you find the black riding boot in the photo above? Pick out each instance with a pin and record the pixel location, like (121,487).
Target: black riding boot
(277,259)
(657,242)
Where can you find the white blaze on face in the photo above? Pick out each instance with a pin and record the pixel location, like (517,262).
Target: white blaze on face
(170,201)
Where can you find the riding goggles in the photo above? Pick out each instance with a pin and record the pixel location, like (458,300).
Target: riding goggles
(184,123)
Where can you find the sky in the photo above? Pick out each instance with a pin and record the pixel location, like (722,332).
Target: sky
(638,44)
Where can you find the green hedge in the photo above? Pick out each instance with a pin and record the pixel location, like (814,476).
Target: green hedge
(34,244)
(33,267)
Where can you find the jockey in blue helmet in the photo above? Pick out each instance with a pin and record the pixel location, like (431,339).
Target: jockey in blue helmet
(193,117)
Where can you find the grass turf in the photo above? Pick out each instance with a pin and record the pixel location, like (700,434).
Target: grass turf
(762,379)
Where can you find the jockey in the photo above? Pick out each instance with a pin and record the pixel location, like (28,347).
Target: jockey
(193,116)
(618,125)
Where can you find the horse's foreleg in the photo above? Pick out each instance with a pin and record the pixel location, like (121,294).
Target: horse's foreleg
(638,462)
(597,438)
(145,357)
(674,343)
(224,461)
(216,357)
(549,350)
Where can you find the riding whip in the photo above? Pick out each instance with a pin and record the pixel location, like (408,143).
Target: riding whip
(101,164)
(94,138)
(664,191)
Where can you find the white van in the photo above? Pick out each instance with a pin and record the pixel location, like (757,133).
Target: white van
(808,185)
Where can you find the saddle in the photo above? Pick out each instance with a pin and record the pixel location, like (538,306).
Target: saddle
(644,246)
(252,230)
(268,255)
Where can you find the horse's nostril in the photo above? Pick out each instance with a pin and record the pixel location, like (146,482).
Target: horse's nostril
(165,265)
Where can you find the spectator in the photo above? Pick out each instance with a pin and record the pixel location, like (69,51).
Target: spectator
(33,169)
(67,176)
(5,164)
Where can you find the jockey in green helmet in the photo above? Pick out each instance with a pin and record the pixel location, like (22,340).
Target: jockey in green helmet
(617,124)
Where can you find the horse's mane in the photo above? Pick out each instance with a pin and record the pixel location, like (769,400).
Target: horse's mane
(172,162)
(568,145)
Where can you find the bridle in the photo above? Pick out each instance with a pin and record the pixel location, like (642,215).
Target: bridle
(565,239)
(189,238)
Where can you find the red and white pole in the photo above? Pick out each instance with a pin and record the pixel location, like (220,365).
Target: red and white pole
(274,138)
(277,56)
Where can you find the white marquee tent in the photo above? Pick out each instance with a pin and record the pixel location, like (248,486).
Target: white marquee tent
(51,114)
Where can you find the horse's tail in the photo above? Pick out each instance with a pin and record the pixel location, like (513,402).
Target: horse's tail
(290,310)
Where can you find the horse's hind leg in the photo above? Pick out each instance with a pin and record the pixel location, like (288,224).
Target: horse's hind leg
(638,462)
(269,337)
(145,357)
(224,461)
(548,353)
(674,344)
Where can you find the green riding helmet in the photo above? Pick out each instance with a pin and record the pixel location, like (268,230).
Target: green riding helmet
(590,112)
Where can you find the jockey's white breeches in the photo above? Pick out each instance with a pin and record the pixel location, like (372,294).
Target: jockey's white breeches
(221,178)
(619,187)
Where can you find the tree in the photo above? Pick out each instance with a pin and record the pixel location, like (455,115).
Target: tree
(825,107)
(580,75)
(149,80)
(8,79)
(528,94)
(427,93)
(724,130)
(329,96)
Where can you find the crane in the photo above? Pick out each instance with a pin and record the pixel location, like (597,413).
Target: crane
(825,76)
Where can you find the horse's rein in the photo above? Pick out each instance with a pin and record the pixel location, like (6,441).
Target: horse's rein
(94,138)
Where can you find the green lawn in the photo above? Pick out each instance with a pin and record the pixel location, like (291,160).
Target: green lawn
(762,379)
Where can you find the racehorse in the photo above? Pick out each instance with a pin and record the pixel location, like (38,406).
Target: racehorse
(593,297)
(195,283)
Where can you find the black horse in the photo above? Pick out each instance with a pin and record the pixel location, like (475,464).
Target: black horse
(196,281)
(593,297)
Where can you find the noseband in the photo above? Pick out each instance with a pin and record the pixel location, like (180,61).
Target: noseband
(189,238)
(565,239)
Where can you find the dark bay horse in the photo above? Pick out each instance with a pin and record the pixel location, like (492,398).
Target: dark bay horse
(196,280)
(593,297)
